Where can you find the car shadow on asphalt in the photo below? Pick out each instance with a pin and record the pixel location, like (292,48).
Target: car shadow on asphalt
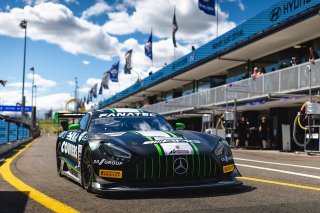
(179,194)
(12,201)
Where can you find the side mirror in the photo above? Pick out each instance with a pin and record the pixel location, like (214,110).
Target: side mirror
(74,126)
(180,126)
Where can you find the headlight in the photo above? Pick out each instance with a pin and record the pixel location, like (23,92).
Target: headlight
(115,152)
(222,148)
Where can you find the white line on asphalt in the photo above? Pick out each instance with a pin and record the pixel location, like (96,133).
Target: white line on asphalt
(281,171)
(280,164)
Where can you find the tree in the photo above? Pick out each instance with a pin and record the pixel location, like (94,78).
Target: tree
(48,114)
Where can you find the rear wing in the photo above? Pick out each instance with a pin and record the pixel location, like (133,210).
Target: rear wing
(64,119)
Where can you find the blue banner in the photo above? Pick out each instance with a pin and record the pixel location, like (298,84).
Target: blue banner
(148,47)
(14,108)
(114,72)
(207,6)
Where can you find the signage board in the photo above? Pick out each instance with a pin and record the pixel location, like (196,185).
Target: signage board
(238,88)
(8,108)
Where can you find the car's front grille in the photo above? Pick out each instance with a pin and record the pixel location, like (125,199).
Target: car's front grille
(166,169)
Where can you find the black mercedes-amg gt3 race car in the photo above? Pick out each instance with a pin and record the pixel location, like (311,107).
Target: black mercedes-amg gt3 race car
(136,150)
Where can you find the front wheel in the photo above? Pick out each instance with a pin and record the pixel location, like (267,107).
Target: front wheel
(87,169)
(58,155)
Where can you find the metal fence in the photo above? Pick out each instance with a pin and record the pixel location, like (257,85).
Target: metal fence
(290,79)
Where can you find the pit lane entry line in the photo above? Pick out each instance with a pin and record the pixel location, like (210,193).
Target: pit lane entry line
(280,164)
(279,183)
(280,171)
(34,194)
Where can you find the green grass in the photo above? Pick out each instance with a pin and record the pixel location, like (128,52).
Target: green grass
(49,125)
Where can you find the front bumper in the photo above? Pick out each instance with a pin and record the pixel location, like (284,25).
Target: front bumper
(101,189)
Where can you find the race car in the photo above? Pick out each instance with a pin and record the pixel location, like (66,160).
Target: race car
(136,150)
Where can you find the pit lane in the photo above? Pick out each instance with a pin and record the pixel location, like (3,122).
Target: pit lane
(36,167)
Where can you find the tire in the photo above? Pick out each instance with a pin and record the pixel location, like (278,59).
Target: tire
(58,154)
(87,169)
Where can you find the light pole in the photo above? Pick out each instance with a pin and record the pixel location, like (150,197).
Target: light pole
(17,132)
(35,95)
(23,25)
(32,70)
(32,108)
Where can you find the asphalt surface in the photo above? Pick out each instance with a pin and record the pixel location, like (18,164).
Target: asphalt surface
(37,167)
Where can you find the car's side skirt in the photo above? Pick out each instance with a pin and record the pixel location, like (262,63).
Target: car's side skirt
(68,173)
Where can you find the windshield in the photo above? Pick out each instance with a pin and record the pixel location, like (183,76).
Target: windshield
(123,124)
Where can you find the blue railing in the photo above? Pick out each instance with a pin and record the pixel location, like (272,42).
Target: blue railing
(11,131)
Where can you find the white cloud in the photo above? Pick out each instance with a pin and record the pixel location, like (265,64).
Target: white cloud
(13,90)
(99,8)
(240,4)
(18,85)
(53,101)
(35,2)
(7,7)
(86,62)
(41,82)
(88,85)
(195,31)
(72,34)
(71,83)
(92,81)
(71,1)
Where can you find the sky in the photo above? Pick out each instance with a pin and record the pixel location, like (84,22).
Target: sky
(83,38)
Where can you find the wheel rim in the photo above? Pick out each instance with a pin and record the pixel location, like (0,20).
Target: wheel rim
(87,168)
(58,157)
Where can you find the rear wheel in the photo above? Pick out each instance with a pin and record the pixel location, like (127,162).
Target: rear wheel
(87,169)
(58,155)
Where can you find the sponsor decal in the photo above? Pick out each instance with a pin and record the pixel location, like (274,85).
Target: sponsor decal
(166,138)
(107,162)
(287,7)
(114,134)
(231,37)
(69,149)
(83,136)
(63,134)
(110,173)
(79,154)
(180,166)
(159,134)
(192,57)
(226,158)
(171,140)
(128,114)
(177,149)
(72,136)
(228,168)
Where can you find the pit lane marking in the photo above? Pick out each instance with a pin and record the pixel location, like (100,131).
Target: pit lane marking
(34,194)
(279,183)
(280,171)
(280,164)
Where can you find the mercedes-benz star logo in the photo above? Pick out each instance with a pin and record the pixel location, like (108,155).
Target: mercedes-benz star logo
(180,166)
(275,14)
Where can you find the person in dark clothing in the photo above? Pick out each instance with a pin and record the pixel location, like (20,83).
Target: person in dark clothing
(64,125)
(313,55)
(264,132)
(243,128)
